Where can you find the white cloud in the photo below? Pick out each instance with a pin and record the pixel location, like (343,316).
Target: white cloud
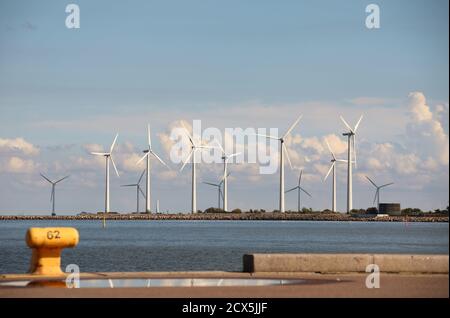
(129,162)
(337,144)
(18,145)
(418,108)
(426,136)
(19,165)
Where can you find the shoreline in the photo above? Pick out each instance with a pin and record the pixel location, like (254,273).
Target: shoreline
(267,216)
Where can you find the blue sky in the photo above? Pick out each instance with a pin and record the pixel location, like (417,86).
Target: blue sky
(161,61)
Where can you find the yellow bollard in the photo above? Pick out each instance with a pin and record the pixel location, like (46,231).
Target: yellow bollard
(47,244)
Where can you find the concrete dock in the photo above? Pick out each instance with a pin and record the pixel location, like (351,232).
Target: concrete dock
(322,275)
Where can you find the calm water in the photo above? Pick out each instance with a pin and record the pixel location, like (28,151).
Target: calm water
(216,245)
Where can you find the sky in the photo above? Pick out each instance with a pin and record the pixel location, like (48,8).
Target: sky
(231,64)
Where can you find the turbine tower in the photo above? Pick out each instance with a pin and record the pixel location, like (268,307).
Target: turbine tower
(351,148)
(194,148)
(138,189)
(377,192)
(225,158)
(52,196)
(147,152)
(283,149)
(333,168)
(300,189)
(108,158)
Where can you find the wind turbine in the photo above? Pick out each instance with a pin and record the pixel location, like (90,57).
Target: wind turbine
(351,136)
(300,189)
(225,158)
(138,189)
(333,168)
(377,193)
(281,151)
(52,196)
(108,158)
(219,188)
(194,148)
(147,152)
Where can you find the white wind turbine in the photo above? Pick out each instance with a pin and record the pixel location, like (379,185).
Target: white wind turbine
(281,152)
(147,152)
(225,158)
(377,193)
(52,196)
(300,189)
(351,136)
(138,189)
(194,148)
(333,168)
(108,158)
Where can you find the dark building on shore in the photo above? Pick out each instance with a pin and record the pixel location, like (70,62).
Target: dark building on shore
(390,209)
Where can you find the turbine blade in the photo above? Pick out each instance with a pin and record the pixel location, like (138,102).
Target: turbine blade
(291,189)
(357,124)
(233,155)
(300,177)
(113,144)
(100,153)
(61,179)
(220,147)
(149,136)
(52,194)
(287,155)
(212,184)
(191,139)
(346,124)
(387,184)
(140,178)
(354,150)
(341,160)
(128,185)
(305,191)
(114,165)
(268,136)
(143,157)
(223,177)
(159,159)
(142,192)
(372,182)
(205,147)
(329,171)
(187,159)
(46,178)
(375,197)
(329,148)
(292,126)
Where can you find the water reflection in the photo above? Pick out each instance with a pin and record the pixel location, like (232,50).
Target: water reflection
(156,282)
